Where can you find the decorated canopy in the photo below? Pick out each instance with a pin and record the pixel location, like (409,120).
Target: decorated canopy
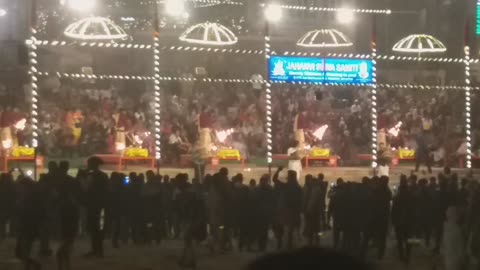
(419,43)
(95,28)
(324,38)
(209,34)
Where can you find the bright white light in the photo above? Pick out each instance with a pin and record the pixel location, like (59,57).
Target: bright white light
(222,135)
(273,13)
(345,16)
(395,130)
(127,19)
(7,144)
(320,132)
(120,146)
(138,140)
(3,12)
(80,5)
(20,125)
(175,7)
(29,173)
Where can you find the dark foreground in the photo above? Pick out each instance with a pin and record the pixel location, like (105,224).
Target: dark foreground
(165,256)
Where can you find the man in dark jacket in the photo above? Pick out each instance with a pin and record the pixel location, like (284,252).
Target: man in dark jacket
(117,206)
(152,206)
(31,214)
(69,190)
(290,204)
(336,211)
(402,216)
(7,203)
(240,210)
(378,223)
(423,153)
(265,207)
(312,211)
(136,211)
(48,189)
(95,202)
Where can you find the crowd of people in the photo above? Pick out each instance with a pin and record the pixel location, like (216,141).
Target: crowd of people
(88,121)
(226,214)
(440,116)
(345,110)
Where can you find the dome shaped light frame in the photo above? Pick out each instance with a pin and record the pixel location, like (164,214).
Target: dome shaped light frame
(324,38)
(419,43)
(208,33)
(95,28)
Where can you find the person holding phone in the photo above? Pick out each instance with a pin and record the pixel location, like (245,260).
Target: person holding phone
(295,161)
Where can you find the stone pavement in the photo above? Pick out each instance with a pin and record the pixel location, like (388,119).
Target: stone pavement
(164,256)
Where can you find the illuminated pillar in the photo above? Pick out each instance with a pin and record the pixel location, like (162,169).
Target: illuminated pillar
(468,107)
(374,113)
(33,71)
(156,67)
(268,98)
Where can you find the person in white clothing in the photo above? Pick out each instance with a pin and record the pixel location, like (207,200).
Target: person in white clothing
(383,168)
(295,162)
(177,146)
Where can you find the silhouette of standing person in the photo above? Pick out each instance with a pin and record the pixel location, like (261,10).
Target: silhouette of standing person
(69,205)
(47,185)
(31,214)
(423,153)
(290,204)
(95,202)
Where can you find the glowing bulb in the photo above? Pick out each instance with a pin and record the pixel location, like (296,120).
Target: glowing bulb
(20,125)
(273,13)
(345,16)
(80,5)
(320,132)
(120,146)
(3,12)
(7,144)
(175,7)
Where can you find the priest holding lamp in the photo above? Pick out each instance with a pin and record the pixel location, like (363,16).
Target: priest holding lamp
(295,158)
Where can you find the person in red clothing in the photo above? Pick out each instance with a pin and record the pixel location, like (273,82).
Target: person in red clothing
(205,118)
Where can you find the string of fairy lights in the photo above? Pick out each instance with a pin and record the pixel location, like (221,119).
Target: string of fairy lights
(109,45)
(246,81)
(33,44)
(336,10)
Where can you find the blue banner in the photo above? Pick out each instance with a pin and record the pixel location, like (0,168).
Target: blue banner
(478,18)
(321,70)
